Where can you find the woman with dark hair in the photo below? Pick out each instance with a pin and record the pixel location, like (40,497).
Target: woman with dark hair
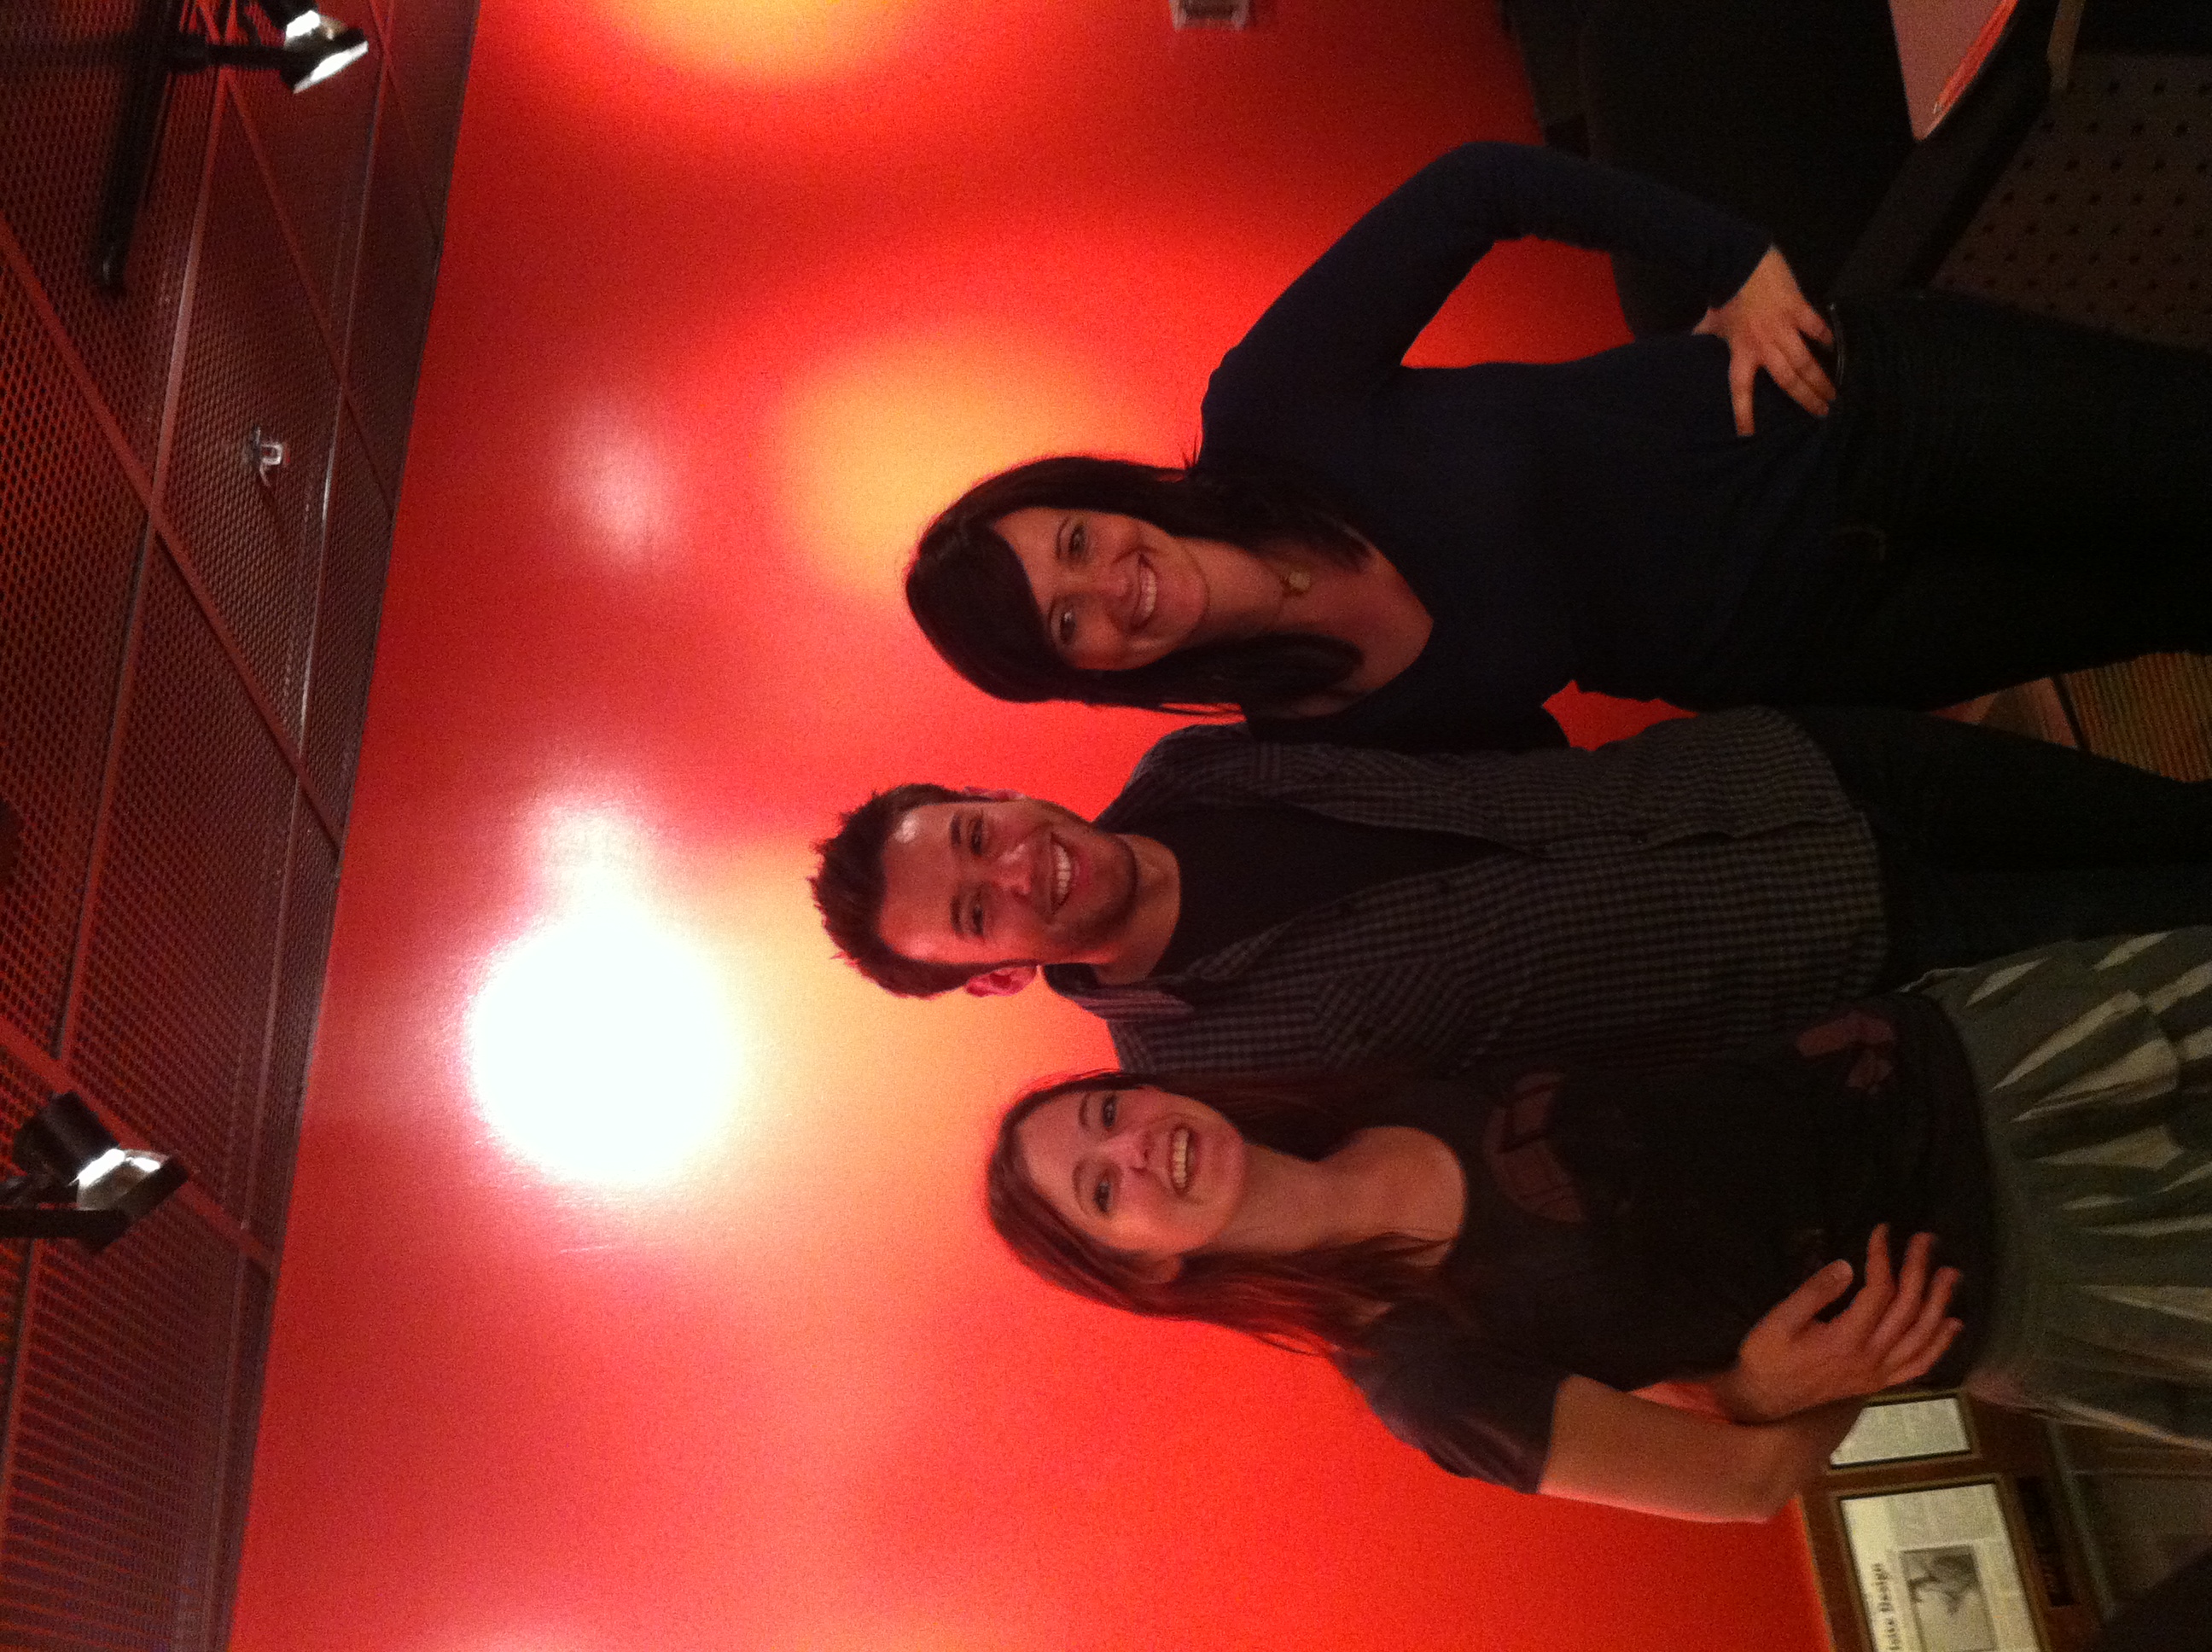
(1367,554)
(1500,1261)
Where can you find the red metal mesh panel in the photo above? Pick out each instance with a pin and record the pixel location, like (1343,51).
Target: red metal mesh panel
(392,303)
(20,1094)
(316,144)
(123,1383)
(72,531)
(177,972)
(313,904)
(429,41)
(355,555)
(14,1278)
(69,62)
(192,1008)
(254,360)
(257,1300)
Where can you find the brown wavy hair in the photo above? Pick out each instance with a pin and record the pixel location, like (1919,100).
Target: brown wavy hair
(967,591)
(1319,1301)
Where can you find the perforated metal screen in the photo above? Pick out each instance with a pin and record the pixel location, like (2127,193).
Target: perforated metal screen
(2105,215)
(185,642)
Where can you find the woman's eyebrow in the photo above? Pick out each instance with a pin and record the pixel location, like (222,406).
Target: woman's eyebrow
(1082,1111)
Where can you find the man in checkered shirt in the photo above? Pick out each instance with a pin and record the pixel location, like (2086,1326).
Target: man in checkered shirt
(1709,881)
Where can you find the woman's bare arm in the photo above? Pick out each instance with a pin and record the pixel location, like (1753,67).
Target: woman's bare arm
(1613,1447)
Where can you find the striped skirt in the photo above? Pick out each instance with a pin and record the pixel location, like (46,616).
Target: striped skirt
(2094,1062)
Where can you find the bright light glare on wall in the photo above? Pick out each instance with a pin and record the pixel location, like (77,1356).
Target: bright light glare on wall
(601,1044)
(764,39)
(877,440)
(617,476)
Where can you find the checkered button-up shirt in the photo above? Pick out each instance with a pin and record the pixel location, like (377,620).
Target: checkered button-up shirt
(1701,884)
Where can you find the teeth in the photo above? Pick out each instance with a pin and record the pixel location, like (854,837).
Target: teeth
(1179,1162)
(1148,591)
(1063,873)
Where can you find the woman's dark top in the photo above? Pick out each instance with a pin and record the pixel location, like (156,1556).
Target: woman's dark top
(1598,521)
(1631,1226)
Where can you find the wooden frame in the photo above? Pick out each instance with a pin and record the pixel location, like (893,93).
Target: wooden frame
(1910,1428)
(2006,1452)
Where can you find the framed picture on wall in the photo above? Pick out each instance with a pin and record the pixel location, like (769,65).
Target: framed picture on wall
(1940,1525)
(1936,1570)
(1907,1430)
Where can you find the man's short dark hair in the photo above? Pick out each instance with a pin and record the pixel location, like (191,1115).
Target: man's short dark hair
(849,892)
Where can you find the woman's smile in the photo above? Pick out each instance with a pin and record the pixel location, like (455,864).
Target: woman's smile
(1148,593)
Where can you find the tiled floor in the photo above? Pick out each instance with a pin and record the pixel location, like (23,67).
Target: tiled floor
(185,642)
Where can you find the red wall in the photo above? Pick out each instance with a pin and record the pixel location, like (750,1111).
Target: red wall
(720,322)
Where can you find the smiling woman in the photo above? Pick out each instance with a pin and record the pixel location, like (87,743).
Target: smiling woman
(1500,1261)
(1139,1169)
(1418,559)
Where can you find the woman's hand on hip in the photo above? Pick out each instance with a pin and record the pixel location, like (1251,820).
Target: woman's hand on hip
(1767,324)
(1893,1330)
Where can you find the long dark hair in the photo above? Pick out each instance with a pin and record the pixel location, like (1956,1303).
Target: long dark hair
(1319,1301)
(967,592)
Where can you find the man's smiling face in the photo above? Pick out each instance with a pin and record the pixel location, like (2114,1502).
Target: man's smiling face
(989,881)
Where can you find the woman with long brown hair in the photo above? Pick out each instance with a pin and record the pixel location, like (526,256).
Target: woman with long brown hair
(1500,1261)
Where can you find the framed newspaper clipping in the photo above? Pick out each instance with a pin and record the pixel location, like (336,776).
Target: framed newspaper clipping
(1936,1571)
(1938,1528)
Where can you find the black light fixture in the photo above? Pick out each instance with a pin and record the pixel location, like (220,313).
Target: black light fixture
(78,1182)
(315,47)
(294,18)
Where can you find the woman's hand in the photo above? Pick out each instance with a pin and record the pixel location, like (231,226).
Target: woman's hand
(1893,1330)
(1767,324)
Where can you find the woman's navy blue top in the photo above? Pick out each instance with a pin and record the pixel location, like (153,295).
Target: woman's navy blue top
(1596,521)
(1631,1226)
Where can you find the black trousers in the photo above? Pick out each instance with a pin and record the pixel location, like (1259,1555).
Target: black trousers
(1991,842)
(2019,497)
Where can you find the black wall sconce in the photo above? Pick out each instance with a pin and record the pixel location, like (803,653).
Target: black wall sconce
(78,1181)
(314,47)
